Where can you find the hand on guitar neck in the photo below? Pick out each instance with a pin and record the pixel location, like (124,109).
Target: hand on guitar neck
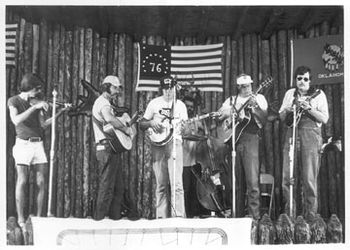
(122,139)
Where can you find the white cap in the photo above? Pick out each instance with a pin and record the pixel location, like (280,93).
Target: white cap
(114,80)
(244,79)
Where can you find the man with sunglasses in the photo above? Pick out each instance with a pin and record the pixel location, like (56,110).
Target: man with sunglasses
(110,171)
(28,151)
(159,111)
(308,137)
(247,147)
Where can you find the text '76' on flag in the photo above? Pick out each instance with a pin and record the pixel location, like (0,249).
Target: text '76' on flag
(154,62)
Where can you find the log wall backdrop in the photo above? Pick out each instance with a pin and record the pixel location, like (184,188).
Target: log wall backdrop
(64,56)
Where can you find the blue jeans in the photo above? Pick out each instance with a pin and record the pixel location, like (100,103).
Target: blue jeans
(110,184)
(164,171)
(247,157)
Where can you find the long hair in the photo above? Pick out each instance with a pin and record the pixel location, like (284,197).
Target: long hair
(30,81)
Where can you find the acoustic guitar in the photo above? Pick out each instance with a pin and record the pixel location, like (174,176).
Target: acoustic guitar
(241,122)
(120,141)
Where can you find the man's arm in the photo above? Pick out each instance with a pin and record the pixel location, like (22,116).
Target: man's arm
(320,111)
(145,124)
(45,123)
(260,113)
(225,110)
(114,121)
(259,108)
(287,105)
(18,118)
(318,115)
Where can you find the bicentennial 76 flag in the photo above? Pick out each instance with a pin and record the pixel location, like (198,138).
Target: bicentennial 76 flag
(200,65)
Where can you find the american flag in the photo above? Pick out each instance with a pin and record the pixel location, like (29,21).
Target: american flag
(199,66)
(11,31)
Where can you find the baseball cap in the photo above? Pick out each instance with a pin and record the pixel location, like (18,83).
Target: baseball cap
(114,80)
(167,82)
(244,79)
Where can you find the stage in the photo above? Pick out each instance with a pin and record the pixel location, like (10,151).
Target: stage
(162,232)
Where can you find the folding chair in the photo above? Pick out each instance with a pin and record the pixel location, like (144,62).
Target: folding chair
(269,182)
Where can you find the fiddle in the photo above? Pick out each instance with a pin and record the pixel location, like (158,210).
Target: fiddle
(48,103)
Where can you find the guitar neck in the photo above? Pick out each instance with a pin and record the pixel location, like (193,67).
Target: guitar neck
(245,104)
(201,117)
(134,118)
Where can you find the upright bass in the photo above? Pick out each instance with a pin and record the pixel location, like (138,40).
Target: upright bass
(213,186)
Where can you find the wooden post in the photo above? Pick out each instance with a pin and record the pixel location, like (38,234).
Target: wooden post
(74,121)
(87,127)
(67,90)
(59,131)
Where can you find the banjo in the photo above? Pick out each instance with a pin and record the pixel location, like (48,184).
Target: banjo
(166,134)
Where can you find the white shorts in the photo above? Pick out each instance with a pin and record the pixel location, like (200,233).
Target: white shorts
(29,153)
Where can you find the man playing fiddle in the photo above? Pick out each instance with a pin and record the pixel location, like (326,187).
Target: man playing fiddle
(28,151)
(308,136)
(247,146)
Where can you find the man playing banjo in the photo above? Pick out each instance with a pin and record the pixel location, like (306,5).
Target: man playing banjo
(163,117)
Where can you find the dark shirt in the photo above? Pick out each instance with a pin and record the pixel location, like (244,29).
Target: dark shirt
(30,127)
(252,127)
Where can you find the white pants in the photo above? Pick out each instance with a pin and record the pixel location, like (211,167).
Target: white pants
(29,153)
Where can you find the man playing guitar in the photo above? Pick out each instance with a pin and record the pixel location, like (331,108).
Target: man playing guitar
(161,112)
(110,175)
(247,146)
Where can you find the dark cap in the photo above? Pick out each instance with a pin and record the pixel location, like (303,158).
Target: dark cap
(167,82)
(30,81)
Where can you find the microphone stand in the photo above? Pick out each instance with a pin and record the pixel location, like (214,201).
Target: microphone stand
(291,161)
(174,149)
(52,151)
(233,155)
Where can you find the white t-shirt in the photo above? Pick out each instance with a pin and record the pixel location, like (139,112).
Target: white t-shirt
(99,103)
(319,102)
(158,108)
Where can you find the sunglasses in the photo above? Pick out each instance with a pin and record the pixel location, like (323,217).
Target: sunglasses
(303,78)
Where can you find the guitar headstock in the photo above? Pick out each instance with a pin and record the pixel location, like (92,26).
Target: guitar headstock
(138,115)
(267,82)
